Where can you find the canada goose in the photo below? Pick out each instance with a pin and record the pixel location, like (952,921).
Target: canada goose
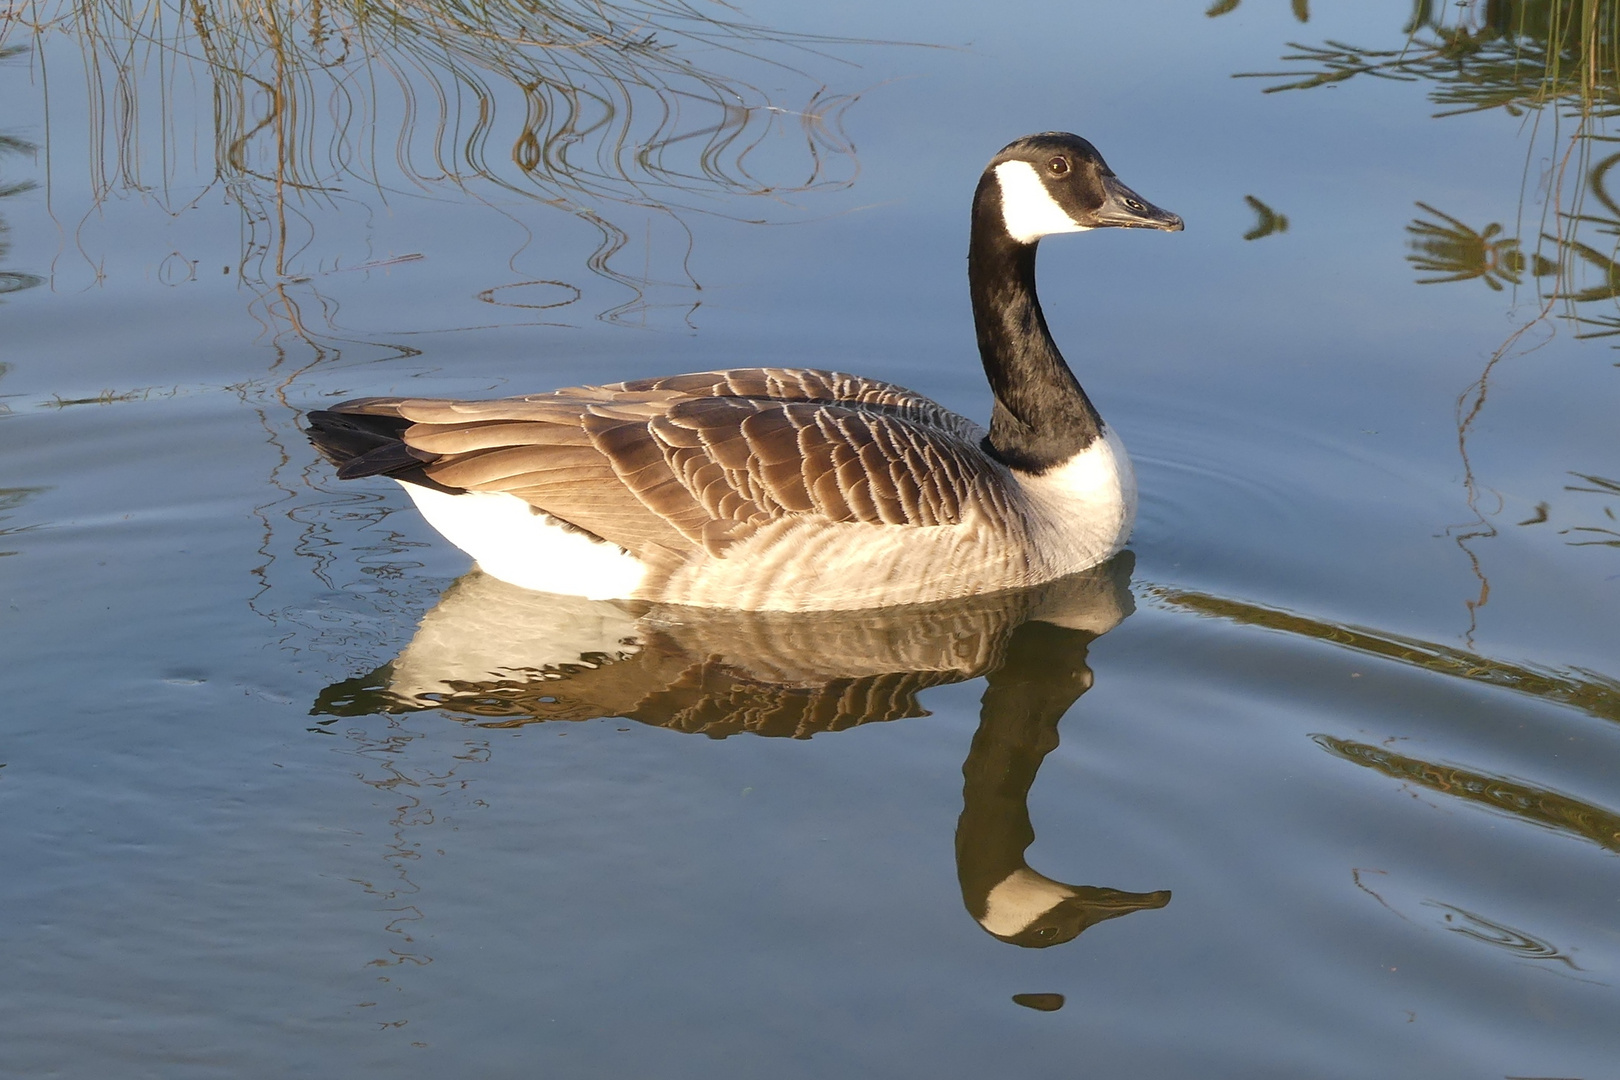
(777,488)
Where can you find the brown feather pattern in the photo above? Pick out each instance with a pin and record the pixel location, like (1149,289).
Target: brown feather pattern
(670,467)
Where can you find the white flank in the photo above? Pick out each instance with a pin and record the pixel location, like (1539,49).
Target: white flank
(1023,897)
(1027,208)
(513,543)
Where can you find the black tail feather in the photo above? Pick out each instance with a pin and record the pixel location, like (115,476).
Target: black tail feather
(366,445)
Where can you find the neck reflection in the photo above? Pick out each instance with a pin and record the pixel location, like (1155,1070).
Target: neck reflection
(498,656)
(1043,674)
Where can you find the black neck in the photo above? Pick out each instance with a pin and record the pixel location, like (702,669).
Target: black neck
(1041,417)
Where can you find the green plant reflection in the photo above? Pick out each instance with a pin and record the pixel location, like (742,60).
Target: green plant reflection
(1556,62)
(497,656)
(1451,251)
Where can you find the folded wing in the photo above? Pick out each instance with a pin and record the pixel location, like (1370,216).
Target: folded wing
(672,466)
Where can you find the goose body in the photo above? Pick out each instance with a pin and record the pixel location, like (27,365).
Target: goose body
(791,489)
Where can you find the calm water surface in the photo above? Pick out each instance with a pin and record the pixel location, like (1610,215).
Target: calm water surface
(288,791)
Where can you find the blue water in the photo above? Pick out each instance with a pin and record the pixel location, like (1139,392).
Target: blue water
(1361,731)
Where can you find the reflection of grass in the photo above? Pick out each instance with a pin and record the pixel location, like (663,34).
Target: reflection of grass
(1596,535)
(1516,55)
(1454,252)
(1558,60)
(1592,693)
(11,499)
(1267,221)
(1520,56)
(108,397)
(1301,8)
(309,106)
(13,280)
(1588,691)
(1526,802)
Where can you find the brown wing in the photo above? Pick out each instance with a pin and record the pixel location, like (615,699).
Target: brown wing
(700,461)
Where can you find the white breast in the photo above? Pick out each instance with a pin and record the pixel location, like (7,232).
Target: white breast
(1081,512)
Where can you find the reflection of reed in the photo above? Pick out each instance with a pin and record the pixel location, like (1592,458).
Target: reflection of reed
(1596,535)
(1520,56)
(315,106)
(1515,55)
(1538,806)
(1592,693)
(1456,251)
(1554,59)
(13,280)
(11,499)
(1523,945)
(1452,251)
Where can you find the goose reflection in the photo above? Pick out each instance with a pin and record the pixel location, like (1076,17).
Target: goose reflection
(502,656)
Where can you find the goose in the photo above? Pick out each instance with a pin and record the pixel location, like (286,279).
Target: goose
(792,489)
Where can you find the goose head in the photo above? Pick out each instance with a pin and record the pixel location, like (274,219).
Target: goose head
(1058,183)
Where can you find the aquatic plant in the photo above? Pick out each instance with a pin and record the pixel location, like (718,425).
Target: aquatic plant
(1515,55)
(1524,57)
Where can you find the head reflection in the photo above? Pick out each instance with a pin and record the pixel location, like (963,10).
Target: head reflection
(501,656)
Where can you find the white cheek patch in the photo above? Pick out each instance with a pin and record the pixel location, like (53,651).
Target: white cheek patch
(1027,208)
(1015,904)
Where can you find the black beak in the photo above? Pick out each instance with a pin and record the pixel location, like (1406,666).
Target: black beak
(1124,209)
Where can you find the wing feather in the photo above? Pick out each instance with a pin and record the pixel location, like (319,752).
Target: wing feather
(675,465)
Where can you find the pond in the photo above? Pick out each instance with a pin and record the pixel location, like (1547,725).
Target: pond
(1320,778)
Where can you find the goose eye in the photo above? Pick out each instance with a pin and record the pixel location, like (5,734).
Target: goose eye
(1058,166)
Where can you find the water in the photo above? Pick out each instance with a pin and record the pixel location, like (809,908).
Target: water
(1339,733)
